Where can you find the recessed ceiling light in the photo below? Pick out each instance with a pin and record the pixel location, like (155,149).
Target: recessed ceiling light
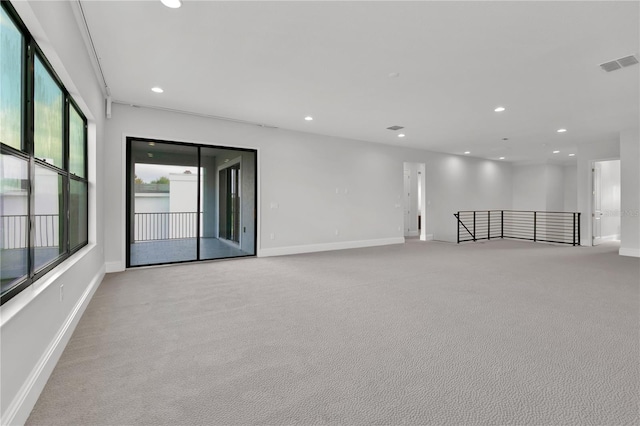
(561,130)
(152,144)
(502,158)
(499,109)
(467,152)
(157,89)
(173,4)
(505,139)
(150,154)
(308,118)
(555,152)
(401,135)
(572,155)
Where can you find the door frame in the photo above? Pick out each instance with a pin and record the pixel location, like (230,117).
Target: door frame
(592,204)
(127,199)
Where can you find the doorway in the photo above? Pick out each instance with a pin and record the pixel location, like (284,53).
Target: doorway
(414,200)
(188,202)
(606,201)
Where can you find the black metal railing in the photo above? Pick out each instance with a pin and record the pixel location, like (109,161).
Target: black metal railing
(14,231)
(165,226)
(542,226)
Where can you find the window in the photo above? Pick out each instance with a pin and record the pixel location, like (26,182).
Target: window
(11,51)
(47,116)
(43,163)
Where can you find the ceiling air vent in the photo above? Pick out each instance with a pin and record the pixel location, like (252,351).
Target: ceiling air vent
(627,61)
(610,66)
(395,128)
(619,63)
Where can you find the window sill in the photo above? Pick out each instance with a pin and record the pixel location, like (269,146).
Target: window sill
(20,301)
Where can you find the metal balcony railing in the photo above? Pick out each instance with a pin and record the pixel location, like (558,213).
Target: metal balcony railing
(14,231)
(540,226)
(165,226)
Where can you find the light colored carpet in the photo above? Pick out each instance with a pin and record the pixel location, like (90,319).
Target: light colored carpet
(502,332)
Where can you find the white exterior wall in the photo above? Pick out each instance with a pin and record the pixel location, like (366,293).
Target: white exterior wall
(152,202)
(183,193)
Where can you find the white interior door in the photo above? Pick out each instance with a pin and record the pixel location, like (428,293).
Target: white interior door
(597,205)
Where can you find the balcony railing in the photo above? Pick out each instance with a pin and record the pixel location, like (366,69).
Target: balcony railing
(165,226)
(14,233)
(542,226)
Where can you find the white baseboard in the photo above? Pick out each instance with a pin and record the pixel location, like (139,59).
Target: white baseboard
(18,411)
(312,248)
(429,237)
(114,267)
(412,233)
(610,238)
(629,252)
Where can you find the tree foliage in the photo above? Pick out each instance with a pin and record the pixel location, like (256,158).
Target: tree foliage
(161,180)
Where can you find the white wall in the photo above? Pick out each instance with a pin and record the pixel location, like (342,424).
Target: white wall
(35,325)
(312,185)
(555,188)
(410,196)
(538,187)
(152,202)
(587,154)
(530,187)
(630,193)
(570,175)
(183,195)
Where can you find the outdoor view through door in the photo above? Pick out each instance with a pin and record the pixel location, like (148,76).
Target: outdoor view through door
(189,202)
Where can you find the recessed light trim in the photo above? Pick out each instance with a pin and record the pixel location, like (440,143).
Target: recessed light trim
(501,158)
(572,155)
(401,135)
(556,152)
(308,118)
(499,109)
(467,152)
(157,89)
(561,130)
(173,4)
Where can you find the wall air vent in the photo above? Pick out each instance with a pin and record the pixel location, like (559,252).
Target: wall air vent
(395,128)
(619,63)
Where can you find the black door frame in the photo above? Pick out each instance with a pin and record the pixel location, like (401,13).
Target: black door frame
(129,198)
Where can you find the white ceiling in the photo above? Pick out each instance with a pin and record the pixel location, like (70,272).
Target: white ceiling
(276,62)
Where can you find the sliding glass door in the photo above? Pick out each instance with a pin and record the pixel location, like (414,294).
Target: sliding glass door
(228,208)
(188,202)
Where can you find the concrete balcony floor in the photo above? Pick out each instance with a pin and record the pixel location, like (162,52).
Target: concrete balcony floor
(181,250)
